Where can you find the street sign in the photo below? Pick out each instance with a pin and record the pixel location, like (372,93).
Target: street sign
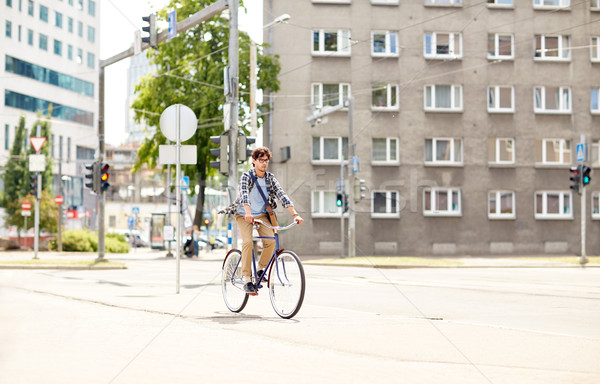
(580,152)
(185,183)
(135,210)
(172,24)
(131,222)
(167,154)
(58,200)
(25,213)
(37,163)
(37,142)
(26,206)
(187,122)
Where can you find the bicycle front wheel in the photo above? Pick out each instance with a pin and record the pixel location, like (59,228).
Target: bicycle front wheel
(287,284)
(232,283)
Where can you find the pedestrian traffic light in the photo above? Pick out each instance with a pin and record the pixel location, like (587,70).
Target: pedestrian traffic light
(152,38)
(359,188)
(221,153)
(92,177)
(104,176)
(243,142)
(345,202)
(33,183)
(339,199)
(575,178)
(585,174)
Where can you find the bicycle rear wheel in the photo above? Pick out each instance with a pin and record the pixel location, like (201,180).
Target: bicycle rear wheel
(231,282)
(287,284)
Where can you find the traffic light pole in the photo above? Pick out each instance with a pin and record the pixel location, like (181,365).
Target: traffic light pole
(38,196)
(583,258)
(233,101)
(351,177)
(100,194)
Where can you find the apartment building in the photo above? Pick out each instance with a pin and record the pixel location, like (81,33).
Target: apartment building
(49,51)
(467,115)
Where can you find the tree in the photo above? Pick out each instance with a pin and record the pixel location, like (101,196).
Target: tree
(190,71)
(48,212)
(16,181)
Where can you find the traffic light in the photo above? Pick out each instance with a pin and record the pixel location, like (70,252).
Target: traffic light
(585,174)
(359,188)
(33,183)
(221,153)
(339,199)
(575,178)
(92,177)
(345,202)
(243,142)
(104,176)
(206,222)
(152,38)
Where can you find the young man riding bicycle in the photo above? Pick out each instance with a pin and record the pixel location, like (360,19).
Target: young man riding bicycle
(258,203)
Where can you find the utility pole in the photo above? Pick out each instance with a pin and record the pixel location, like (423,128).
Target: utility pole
(351,176)
(60,206)
(233,101)
(38,196)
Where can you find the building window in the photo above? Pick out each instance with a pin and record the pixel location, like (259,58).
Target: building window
(57,47)
(552,100)
(594,104)
(19,33)
(384,97)
(595,4)
(91,35)
(553,152)
(501,150)
(329,149)
(443,151)
(443,98)
(384,43)
(58,20)
(336,42)
(330,94)
(91,60)
(323,204)
(32,104)
(6,137)
(595,205)
(70,52)
(501,205)
(79,56)
(43,13)
(91,7)
(30,8)
(501,99)
(385,204)
(80,5)
(80,29)
(443,45)
(443,2)
(553,205)
(30,37)
(595,153)
(552,48)
(441,202)
(9,3)
(385,151)
(595,49)
(43,42)
(500,3)
(68,148)
(70,24)
(551,3)
(500,46)
(8,29)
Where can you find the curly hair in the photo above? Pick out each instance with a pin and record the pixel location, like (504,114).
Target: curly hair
(261,151)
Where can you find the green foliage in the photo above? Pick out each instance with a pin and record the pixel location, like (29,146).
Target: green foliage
(115,245)
(82,240)
(117,236)
(48,213)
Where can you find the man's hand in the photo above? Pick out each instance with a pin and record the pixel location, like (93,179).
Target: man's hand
(299,219)
(249,218)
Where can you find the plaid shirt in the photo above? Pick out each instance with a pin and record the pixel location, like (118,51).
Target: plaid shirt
(274,190)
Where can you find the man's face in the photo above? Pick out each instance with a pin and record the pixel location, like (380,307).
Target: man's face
(261,163)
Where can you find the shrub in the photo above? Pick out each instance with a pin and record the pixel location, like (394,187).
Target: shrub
(116,244)
(79,240)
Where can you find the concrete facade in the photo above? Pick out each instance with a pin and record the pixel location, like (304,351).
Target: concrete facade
(416,204)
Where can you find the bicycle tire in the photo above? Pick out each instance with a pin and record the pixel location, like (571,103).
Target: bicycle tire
(232,285)
(287,284)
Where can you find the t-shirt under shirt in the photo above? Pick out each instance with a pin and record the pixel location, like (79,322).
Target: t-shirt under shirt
(257,203)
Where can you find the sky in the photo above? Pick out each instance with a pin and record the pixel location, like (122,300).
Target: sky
(118,23)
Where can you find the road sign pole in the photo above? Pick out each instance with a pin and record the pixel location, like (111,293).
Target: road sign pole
(178,196)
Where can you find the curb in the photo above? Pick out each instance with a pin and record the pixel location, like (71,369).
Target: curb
(66,267)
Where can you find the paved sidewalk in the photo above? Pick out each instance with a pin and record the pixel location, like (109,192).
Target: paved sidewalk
(8,259)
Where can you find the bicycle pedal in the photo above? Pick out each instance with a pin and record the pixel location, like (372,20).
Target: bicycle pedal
(253,293)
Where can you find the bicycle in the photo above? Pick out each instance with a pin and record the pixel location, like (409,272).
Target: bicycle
(284,276)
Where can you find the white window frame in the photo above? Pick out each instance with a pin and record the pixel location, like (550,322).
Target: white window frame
(435,210)
(564,46)
(595,5)
(316,90)
(452,36)
(539,4)
(544,215)
(385,2)
(333,1)
(595,109)
(390,91)
(340,151)
(496,55)
(443,3)
(455,91)
(319,212)
(595,205)
(390,197)
(390,142)
(497,4)
(498,215)
(389,36)
(452,142)
(595,48)
(564,101)
(595,153)
(498,142)
(493,97)
(565,152)
(343,43)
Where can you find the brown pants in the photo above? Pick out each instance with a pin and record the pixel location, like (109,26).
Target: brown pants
(245,229)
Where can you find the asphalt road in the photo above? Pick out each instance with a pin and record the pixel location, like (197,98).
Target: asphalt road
(358,325)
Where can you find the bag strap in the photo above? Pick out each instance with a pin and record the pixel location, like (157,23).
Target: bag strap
(269,209)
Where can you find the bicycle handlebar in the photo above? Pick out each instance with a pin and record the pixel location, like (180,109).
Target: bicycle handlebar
(277,228)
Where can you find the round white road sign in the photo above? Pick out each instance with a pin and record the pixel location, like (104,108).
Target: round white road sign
(187,122)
